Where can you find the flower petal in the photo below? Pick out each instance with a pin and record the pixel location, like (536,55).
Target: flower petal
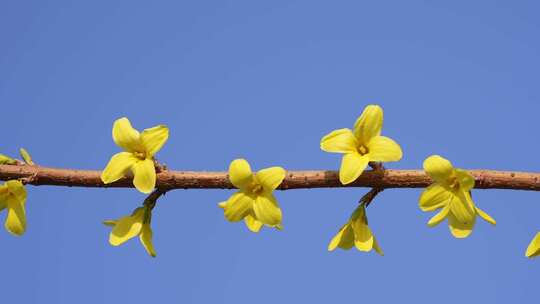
(440,169)
(352,166)
(154,138)
(125,136)
(144,175)
(465,179)
(339,141)
(458,229)
(17,189)
(16,217)
(533,249)
(126,228)
(434,197)
(485,216)
(117,167)
(343,239)
(271,178)
(267,210)
(462,207)
(439,217)
(363,237)
(240,173)
(377,247)
(252,223)
(237,206)
(369,124)
(384,149)
(146,240)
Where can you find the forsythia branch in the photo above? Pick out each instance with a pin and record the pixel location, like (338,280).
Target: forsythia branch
(485,179)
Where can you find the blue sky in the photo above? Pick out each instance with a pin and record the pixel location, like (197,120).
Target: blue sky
(265,81)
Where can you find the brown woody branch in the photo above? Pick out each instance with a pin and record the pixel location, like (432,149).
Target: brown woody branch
(485,179)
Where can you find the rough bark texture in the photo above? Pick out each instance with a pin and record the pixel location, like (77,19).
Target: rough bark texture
(485,179)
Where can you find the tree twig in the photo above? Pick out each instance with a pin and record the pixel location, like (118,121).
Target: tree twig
(169,179)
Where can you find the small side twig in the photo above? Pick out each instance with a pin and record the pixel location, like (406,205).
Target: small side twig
(151,200)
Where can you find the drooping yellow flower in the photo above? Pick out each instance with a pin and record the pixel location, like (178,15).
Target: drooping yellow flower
(450,192)
(128,227)
(534,247)
(13,197)
(254,202)
(361,145)
(356,232)
(138,156)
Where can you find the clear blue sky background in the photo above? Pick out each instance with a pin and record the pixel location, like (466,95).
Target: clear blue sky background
(265,81)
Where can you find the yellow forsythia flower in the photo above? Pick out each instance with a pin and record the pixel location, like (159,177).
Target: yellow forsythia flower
(254,202)
(356,232)
(138,156)
(451,192)
(534,247)
(13,197)
(361,145)
(128,227)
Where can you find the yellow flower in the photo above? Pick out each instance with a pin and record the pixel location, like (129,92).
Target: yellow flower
(138,156)
(254,202)
(451,192)
(534,247)
(128,227)
(356,232)
(13,197)
(361,145)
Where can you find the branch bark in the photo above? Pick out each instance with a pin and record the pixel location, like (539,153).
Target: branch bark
(485,179)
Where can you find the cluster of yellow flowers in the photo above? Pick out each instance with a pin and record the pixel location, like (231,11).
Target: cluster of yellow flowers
(255,203)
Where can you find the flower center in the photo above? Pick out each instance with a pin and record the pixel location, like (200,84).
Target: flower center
(363,150)
(256,188)
(454,183)
(140,155)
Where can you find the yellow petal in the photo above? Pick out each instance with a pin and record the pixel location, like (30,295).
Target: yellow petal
(485,216)
(267,210)
(377,247)
(352,166)
(363,237)
(339,141)
(440,169)
(458,229)
(146,240)
(16,218)
(271,178)
(533,249)
(462,207)
(384,149)
(126,228)
(125,136)
(344,238)
(4,193)
(434,197)
(369,124)
(240,174)
(439,217)
(144,175)
(465,179)
(17,189)
(238,206)
(252,223)
(222,205)
(117,167)
(154,138)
